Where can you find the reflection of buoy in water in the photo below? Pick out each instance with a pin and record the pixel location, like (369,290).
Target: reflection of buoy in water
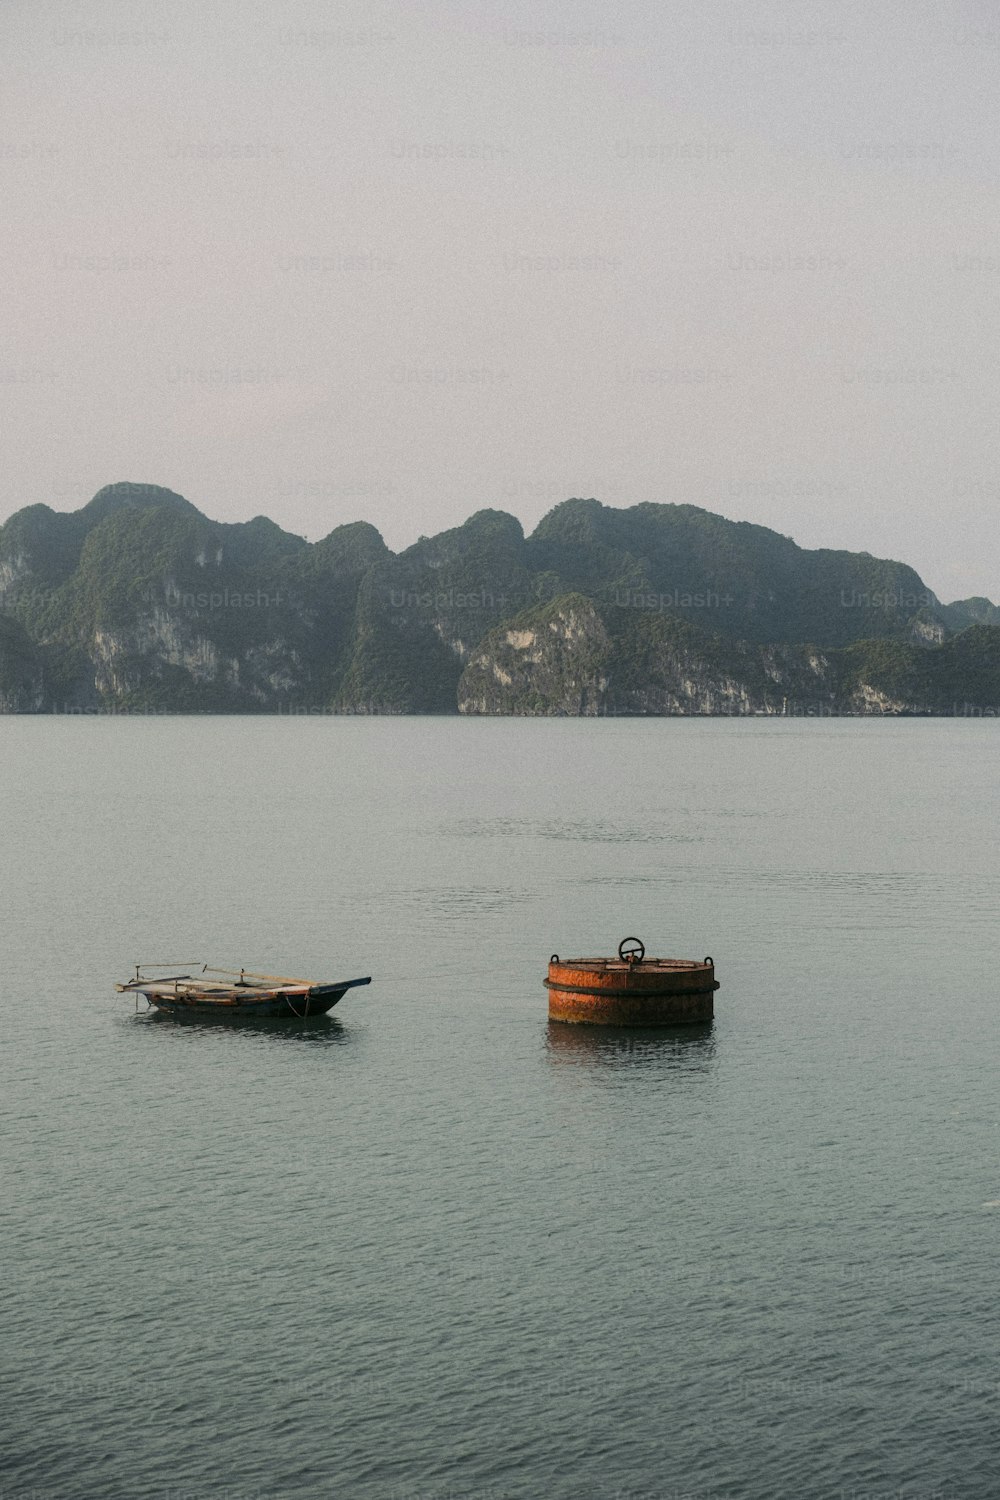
(631,990)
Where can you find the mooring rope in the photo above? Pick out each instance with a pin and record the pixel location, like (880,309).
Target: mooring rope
(305,1013)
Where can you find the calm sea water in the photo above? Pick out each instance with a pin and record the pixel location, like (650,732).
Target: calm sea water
(433,1247)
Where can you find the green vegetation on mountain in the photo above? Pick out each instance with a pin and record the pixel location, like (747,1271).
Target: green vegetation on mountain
(762,586)
(22,685)
(138,602)
(957,677)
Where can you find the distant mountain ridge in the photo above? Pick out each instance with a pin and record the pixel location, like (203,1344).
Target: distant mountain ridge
(139,603)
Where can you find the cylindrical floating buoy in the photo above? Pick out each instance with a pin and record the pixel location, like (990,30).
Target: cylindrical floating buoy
(631,990)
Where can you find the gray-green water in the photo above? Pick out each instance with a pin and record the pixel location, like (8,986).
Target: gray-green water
(434,1247)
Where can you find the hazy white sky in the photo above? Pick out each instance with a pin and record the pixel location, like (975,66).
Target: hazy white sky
(402,261)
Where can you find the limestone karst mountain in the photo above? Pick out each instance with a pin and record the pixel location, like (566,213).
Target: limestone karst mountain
(138,602)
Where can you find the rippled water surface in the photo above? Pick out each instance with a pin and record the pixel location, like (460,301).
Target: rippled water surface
(433,1247)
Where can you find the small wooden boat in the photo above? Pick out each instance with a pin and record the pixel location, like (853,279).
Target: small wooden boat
(236,994)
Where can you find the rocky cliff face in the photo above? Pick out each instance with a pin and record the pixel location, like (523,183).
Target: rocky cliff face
(161,651)
(551,662)
(563,659)
(569,657)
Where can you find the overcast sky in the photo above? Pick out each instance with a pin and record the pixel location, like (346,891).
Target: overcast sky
(402,261)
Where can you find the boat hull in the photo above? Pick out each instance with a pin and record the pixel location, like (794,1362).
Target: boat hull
(298,1006)
(233,1006)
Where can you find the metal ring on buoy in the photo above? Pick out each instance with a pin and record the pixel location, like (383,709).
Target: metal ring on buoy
(554,959)
(636,954)
(710,962)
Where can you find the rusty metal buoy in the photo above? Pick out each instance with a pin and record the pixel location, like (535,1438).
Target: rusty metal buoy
(631,990)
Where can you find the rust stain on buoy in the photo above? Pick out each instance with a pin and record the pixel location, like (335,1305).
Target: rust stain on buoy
(631,990)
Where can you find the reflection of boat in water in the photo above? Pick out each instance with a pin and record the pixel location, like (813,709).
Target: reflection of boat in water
(238,995)
(311,1031)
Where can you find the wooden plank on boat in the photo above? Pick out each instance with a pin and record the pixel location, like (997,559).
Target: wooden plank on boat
(251,974)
